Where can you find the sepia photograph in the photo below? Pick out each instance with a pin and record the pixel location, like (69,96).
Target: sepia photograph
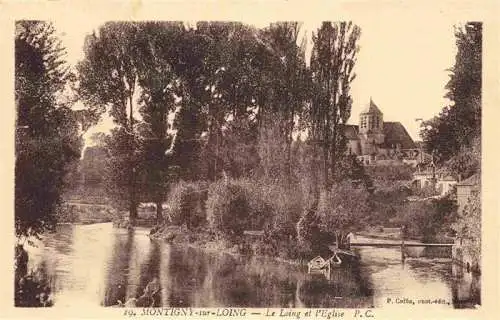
(331,164)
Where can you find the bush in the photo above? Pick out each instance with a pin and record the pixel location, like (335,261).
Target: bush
(227,208)
(187,204)
(343,209)
(237,205)
(427,219)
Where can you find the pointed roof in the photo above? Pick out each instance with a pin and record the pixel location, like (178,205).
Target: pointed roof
(473,180)
(395,134)
(371,108)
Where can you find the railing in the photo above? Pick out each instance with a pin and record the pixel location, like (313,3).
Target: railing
(382,245)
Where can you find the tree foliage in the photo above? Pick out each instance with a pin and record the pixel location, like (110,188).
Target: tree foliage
(187,204)
(343,209)
(332,68)
(108,81)
(459,124)
(428,219)
(237,95)
(47,131)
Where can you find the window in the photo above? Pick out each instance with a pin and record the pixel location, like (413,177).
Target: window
(363,122)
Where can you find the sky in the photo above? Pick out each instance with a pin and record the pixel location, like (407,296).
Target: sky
(402,65)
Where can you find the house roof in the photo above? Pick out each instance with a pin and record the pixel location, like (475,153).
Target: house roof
(448,178)
(473,180)
(395,133)
(371,107)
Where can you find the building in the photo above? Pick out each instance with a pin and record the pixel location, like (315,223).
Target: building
(428,178)
(376,142)
(445,184)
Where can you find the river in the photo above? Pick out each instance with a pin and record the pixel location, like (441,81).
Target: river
(98,265)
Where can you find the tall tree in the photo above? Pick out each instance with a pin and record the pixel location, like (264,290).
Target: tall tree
(159,84)
(332,63)
(227,80)
(459,124)
(108,79)
(283,83)
(47,131)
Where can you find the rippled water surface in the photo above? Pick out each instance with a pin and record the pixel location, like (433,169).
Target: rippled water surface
(98,265)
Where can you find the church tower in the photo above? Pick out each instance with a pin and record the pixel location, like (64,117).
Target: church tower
(371,128)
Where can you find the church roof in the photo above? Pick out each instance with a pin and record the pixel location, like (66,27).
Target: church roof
(371,108)
(395,133)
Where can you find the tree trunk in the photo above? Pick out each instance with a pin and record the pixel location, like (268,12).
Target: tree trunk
(159,212)
(333,155)
(132,209)
(133,201)
(325,167)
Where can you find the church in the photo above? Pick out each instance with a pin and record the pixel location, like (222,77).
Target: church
(376,142)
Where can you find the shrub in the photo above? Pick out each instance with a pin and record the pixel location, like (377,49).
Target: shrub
(187,204)
(227,208)
(343,209)
(427,219)
(237,205)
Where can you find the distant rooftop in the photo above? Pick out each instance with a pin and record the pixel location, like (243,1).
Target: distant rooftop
(473,180)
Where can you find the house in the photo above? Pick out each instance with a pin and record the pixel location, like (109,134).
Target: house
(375,142)
(445,184)
(427,176)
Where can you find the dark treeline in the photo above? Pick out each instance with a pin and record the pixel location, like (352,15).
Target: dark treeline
(454,135)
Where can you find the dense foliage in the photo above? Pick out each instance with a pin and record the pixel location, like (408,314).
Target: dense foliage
(332,70)
(186,203)
(428,219)
(219,98)
(343,209)
(47,131)
(458,125)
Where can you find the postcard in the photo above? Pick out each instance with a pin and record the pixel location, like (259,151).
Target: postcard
(259,160)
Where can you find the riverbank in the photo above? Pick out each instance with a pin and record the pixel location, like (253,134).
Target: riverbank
(206,241)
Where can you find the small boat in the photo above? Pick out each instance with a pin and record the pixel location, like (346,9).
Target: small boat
(317,264)
(320,265)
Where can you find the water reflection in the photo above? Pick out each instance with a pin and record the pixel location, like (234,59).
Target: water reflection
(99,265)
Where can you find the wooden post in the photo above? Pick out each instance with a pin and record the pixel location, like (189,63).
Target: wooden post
(402,245)
(403,250)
